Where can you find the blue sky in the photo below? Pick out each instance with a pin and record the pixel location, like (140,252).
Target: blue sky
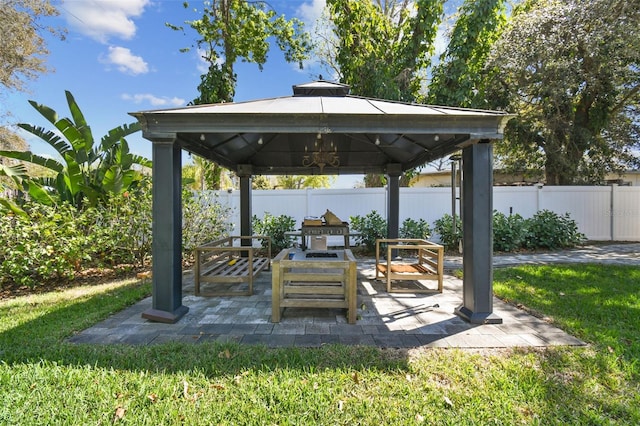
(119,57)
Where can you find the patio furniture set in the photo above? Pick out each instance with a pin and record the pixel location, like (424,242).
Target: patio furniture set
(303,278)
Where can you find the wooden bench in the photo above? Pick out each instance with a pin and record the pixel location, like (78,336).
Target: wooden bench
(226,261)
(314,283)
(426,263)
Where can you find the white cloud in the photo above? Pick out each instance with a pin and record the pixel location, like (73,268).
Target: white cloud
(311,12)
(125,61)
(102,19)
(153,100)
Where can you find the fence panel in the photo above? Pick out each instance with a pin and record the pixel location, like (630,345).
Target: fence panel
(522,200)
(348,202)
(585,205)
(429,204)
(625,213)
(601,212)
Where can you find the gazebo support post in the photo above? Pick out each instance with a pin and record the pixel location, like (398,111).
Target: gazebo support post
(393,202)
(167,231)
(244,173)
(477,228)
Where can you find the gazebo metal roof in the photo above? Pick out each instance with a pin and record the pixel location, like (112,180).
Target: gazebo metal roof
(273,135)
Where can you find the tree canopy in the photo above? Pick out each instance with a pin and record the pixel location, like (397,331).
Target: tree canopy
(22,47)
(301,182)
(385,49)
(22,52)
(381,46)
(457,79)
(570,70)
(232,30)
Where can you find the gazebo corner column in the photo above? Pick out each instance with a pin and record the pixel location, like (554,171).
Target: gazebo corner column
(393,200)
(167,231)
(244,173)
(477,227)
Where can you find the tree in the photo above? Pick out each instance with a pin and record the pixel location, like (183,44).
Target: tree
(382,48)
(383,45)
(205,175)
(300,182)
(23,50)
(261,182)
(8,168)
(457,80)
(22,56)
(232,30)
(86,174)
(570,70)
(11,141)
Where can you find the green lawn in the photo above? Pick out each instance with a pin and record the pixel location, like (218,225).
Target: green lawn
(44,380)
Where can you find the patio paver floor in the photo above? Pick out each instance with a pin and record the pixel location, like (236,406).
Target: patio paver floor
(399,320)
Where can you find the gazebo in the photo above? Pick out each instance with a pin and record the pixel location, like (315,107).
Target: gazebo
(322,129)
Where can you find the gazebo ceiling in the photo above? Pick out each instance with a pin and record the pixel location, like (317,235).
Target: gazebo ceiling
(273,136)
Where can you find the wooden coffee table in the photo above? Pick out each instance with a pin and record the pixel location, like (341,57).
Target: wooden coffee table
(314,279)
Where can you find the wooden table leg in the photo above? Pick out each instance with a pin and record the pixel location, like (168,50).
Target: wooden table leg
(352,293)
(276,285)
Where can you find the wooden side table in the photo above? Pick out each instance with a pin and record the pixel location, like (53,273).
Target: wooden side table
(427,262)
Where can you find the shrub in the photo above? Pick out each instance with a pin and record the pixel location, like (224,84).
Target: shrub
(547,229)
(50,242)
(204,219)
(371,227)
(508,232)
(274,227)
(444,228)
(123,232)
(415,229)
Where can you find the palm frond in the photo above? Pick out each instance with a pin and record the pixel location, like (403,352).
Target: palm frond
(72,133)
(55,141)
(143,161)
(38,193)
(114,135)
(9,205)
(49,113)
(16,171)
(32,158)
(80,121)
(73,175)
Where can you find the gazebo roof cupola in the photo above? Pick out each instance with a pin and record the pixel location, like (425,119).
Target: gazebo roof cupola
(321,88)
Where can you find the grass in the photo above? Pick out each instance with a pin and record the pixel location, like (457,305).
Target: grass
(44,380)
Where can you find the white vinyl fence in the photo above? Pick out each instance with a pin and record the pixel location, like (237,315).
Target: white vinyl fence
(603,213)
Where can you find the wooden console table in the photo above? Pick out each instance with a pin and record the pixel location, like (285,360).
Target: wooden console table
(304,281)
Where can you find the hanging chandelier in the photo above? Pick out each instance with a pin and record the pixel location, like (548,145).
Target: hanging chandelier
(320,157)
